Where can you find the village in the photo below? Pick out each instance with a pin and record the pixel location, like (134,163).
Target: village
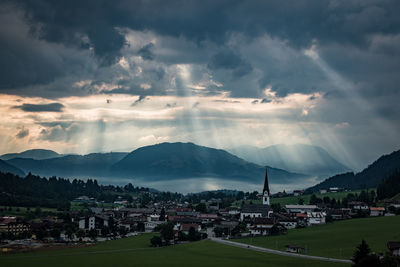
(188,222)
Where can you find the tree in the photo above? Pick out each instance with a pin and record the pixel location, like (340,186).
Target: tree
(80,233)
(275,230)
(69,232)
(55,233)
(201,208)
(276,207)
(123,231)
(301,201)
(156,241)
(92,233)
(370,260)
(218,231)
(38,211)
(313,199)
(390,261)
(182,236)
(193,236)
(162,215)
(166,230)
(140,227)
(361,252)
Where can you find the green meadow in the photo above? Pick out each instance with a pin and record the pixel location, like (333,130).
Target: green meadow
(338,239)
(306,198)
(21,211)
(135,251)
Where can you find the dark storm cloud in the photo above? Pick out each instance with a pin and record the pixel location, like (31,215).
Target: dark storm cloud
(139,100)
(22,133)
(52,107)
(229,60)
(298,21)
(265,101)
(367,31)
(28,61)
(146,53)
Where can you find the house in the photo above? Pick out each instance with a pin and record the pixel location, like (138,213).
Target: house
(96,210)
(185,227)
(339,214)
(205,218)
(377,211)
(13,225)
(334,189)
(149,226)
(300,208)
(187,213)
(294,249)
(228,224)
(394,248)
(261,226)
(358,206)
(301,219)
(323,191)
(315,218)
(85,199)
(285,220)
(97,222)
(233,211)
(298,192)
(255,211)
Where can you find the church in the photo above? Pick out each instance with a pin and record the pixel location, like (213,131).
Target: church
(264,210)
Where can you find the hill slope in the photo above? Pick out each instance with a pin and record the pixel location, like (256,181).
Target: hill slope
(368,178)
(179,160)
(295,158)
(96,164)
(6,167)
(32,154)
(336,240)
(161,162)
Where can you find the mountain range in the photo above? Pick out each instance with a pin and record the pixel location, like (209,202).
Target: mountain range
(169,161)
(32,154)
(370,177)
(95,164)
(156,162)
(6,167)
(298,158)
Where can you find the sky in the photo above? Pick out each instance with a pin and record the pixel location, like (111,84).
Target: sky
(100,76)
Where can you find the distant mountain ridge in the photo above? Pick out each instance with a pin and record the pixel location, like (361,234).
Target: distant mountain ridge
(37,154)
(95,164)
(177,160)
(156,162)
(370,177)
(299,158)
(6,167)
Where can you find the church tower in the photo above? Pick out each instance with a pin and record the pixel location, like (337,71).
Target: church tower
(266,193)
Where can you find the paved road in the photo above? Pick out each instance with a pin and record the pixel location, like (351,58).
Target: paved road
(277,252)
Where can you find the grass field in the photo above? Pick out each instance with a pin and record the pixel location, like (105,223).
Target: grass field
(21,211)
(295,199)
(135,251)
(338,239)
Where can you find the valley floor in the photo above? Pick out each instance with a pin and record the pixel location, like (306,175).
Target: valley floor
(336,240)
(135,251)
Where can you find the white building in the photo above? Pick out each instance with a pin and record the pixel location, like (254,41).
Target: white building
(251,211)
(315,218)
(300,208)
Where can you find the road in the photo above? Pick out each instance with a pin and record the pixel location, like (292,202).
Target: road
(277,252)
